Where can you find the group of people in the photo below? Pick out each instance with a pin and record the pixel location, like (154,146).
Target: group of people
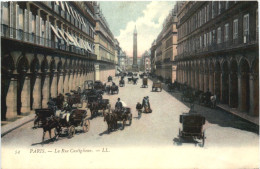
(120,108)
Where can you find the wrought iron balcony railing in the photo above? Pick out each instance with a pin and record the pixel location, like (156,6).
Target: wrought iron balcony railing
(60,44)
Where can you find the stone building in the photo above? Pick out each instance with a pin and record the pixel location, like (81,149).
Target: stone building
(105,47)
(165,49)
(218,50)
(47,48)
(145,64)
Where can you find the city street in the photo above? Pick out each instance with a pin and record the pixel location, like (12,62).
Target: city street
(155,130)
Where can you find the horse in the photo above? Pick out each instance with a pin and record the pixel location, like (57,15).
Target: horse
(110,119)
(49,124)
(93,107)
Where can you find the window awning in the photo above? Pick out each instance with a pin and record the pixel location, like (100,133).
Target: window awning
(76,42)
(73,14)
(68,9)
(84,45)
(69,37)
(88,46)
(92,29)
(62,6)
(57,2)
(55,31)
(62,34)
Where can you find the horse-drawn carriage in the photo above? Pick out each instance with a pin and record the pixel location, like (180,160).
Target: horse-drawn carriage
(66,120)
(99,104)
(122,115)
(113,89)
(156,86)
(77,118)
(98,85)
(192,127)
(145,82)
(122,83)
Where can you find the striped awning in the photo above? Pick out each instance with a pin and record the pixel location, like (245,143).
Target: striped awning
(56,32)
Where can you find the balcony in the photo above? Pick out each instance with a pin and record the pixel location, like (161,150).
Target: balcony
(20,35)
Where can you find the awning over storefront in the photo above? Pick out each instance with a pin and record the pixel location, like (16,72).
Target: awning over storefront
(55,31)
(57,2)
(88,46)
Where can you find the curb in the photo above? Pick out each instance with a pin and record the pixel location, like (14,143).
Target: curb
(16,124)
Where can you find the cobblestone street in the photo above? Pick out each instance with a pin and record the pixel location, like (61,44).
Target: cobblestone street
(158,129)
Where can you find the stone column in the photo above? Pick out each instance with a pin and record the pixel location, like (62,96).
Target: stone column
(97,72)
(211,82)
(66,83)
(70,81)
(37,92)
(54,85)
(45,90)
(25,96)
(206,82)
(60,83)
(254,94)
(223,87)
(11,99)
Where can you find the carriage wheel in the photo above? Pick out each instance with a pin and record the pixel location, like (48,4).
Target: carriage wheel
(124,122)
(203,139)
(71,131)
(130,120)
(179,132)
(86,126)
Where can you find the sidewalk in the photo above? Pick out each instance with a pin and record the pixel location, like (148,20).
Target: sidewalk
(240,114)
(10,126)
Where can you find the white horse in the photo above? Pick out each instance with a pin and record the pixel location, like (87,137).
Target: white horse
(213,100)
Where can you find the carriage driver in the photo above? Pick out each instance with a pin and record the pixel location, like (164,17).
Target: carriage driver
(118,105)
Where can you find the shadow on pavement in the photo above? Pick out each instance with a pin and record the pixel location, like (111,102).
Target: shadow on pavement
(218,116)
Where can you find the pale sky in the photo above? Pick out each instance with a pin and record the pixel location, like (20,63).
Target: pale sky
(148,16)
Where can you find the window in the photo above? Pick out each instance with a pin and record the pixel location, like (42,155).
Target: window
(246,28)
(210,37)
(226,32)
(257,24)
(213,36)
(213,11)
(227,4)
(235,29)
(205,40)
(219,35)
(200,41)
(205,12)
(219,7)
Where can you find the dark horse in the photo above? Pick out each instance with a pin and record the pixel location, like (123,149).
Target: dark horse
(49,124)
(111,122)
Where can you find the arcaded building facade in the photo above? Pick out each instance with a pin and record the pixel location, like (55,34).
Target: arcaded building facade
(218,50)
(47,48)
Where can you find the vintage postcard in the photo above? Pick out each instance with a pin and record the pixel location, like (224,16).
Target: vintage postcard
(129,84)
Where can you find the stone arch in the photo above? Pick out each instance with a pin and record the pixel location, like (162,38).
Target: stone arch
(233,83)
(254,88)
(211,76)
(244,88)
(224,82)
(34,69)
(217,79)
(22,68)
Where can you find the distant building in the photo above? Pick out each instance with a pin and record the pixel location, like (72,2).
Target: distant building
(106,47)
(164,49)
